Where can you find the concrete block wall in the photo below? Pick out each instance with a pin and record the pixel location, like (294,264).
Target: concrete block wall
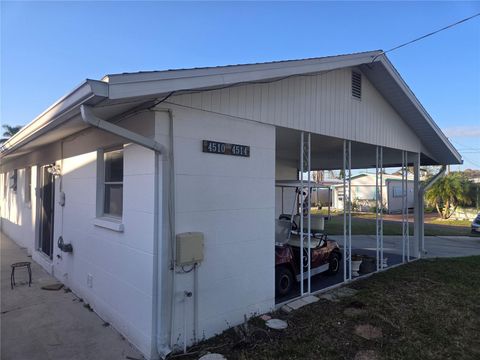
(231,200)
(18,215)
(119,264)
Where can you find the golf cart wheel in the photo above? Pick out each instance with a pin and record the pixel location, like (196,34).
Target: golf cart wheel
(283,280)
(333,264)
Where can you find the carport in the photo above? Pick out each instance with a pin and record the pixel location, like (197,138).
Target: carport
(303,153)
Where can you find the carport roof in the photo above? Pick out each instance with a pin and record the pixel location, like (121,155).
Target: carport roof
(116,94)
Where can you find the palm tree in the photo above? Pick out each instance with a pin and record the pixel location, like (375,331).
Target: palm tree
(9,132)
(448,193)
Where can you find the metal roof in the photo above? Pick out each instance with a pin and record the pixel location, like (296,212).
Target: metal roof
(129,90)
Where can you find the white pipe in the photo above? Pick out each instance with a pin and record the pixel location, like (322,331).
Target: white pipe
(195,303)
(171,217)
(92,120)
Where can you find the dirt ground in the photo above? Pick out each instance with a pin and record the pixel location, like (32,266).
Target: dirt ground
(424,310)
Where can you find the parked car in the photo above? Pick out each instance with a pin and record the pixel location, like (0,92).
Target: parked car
(325,256)
(476,224)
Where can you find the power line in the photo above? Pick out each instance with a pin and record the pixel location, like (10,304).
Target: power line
(466,147)
(427,35)
(471,161)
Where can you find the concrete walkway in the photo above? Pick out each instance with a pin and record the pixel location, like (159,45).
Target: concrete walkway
(436,246)
(47,325)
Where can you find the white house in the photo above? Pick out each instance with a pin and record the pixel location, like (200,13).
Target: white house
(120,168)
(364,192)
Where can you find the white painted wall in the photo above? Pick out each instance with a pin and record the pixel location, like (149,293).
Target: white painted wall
(120,263)
(320,104)
(363,192)
(231,200)
(394,203)
(18,216)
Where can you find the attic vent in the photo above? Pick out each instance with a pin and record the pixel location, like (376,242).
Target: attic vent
(356,85)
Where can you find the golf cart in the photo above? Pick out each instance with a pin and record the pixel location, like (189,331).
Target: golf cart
(325,254)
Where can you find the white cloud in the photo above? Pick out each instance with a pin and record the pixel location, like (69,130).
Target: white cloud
(462,131)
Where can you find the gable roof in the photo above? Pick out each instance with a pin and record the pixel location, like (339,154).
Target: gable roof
(129,90)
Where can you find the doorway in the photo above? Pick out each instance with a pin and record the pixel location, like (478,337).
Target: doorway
(46,211)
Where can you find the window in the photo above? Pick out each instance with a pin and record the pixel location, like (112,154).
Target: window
(28,184)
(397,191)
(5,186)
(13,180)
(110,202)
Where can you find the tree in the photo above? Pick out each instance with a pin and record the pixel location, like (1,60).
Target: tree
(9,132)
(448,193)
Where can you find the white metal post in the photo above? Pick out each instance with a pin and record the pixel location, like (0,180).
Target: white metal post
(309,203)
(418,207)
(403,212)
(344,211)
(301,210)
(406,205)
(349,210)
(377,219)
(381,206)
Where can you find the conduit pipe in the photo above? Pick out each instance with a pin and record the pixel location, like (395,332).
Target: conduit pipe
(90,118)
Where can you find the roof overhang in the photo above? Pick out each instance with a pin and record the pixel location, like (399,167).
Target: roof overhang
(61,112)
(120,93)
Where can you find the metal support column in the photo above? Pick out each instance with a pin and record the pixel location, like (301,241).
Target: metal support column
(347,211)
(302,169)
(418,208)
(344,211)
(309,204)
(406,206)
(403,197)
(379,206)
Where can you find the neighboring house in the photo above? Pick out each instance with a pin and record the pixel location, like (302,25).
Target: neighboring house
(364,194)
(130,169)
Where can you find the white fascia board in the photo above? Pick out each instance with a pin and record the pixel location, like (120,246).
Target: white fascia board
(56,114)
(411,96)
(148,84)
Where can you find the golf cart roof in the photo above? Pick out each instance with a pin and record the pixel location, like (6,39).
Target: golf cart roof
(313,184)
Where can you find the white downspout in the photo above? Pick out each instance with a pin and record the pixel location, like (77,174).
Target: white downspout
(421,197)
(90,118)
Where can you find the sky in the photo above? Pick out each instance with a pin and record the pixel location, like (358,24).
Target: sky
(48,48)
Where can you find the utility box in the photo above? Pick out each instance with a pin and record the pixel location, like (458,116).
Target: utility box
(189,248)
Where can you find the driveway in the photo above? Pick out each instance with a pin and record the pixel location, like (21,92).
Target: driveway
(436,246)
(47,325)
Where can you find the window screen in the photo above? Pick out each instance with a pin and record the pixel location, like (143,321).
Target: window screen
(113,183)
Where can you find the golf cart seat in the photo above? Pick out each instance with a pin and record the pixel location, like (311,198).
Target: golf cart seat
(317,223)
(295,241)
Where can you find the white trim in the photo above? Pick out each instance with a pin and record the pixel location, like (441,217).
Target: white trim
(109,223)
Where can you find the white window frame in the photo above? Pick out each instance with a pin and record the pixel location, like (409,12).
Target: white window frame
(5,184)
(28,185)
(101,215)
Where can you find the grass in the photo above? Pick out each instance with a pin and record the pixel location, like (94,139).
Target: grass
(364,224)
(428,309)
